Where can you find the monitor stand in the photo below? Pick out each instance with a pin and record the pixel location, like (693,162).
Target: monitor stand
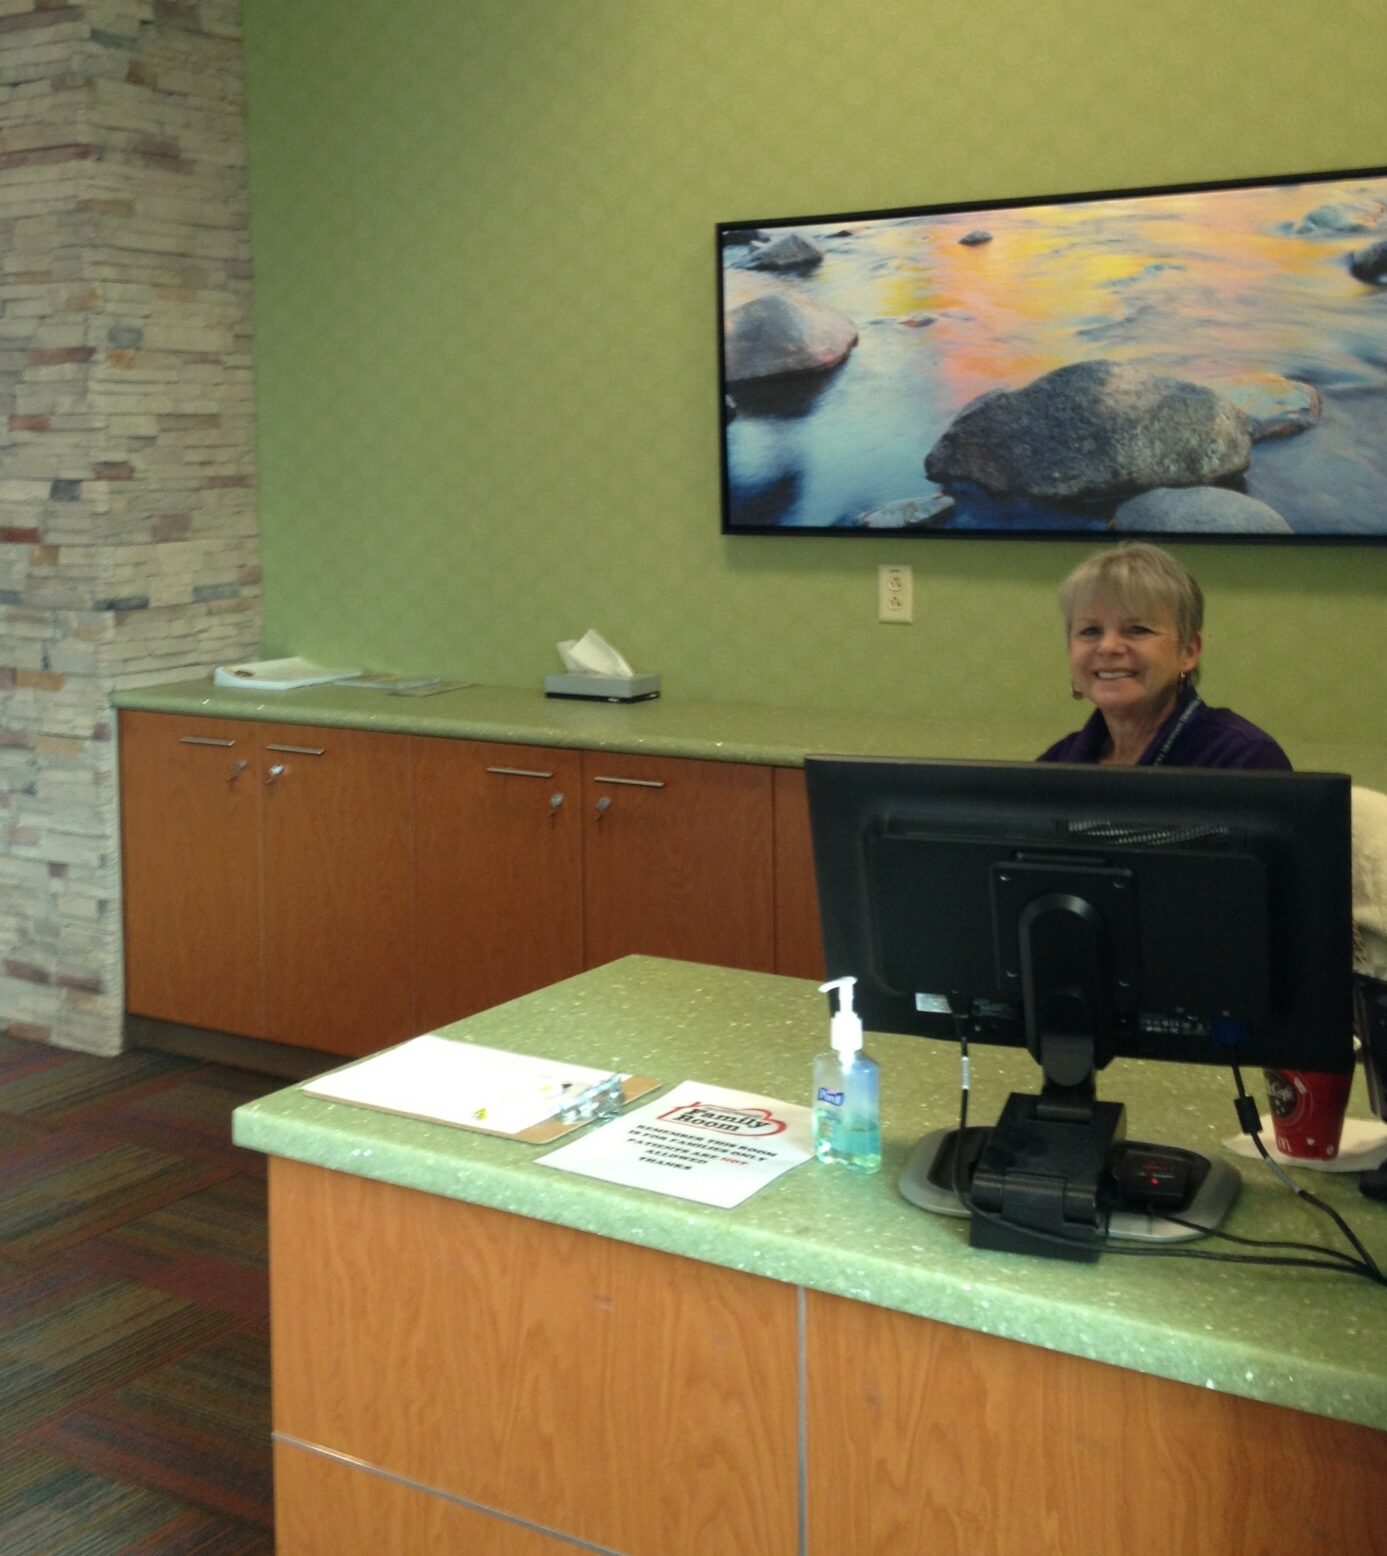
(1149,1179)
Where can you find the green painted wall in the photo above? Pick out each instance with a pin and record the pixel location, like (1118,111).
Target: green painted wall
(485,326)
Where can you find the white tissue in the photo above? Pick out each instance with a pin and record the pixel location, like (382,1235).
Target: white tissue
(592,654)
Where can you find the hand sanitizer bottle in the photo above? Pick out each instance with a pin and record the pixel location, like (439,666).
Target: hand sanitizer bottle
(847,1090)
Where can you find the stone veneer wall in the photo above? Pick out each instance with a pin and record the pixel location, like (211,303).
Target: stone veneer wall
(128,548)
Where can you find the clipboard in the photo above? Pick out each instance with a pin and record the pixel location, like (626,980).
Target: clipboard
(490,1091)
(632,1087)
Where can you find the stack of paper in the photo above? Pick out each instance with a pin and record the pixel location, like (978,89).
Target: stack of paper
(278,675)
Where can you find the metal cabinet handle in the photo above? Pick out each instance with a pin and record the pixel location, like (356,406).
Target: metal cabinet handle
(203,740)
(237,768)
(555,800)
(634,783)
(298,750)
(519,772)
(603,806)
(276,769)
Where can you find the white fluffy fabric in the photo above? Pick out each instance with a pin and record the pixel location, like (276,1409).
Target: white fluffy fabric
(1370,881)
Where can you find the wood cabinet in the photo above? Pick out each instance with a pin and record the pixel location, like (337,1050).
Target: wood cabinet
(191,856)
(342,889)
(267,879)
(678,860)
(542,1384)
(941,1439)
(626,1399)
(326,1506)
(799,943)
(336,840)
(498,873)
(535,862)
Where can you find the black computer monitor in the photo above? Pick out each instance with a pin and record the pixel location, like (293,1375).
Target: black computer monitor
(1086,913)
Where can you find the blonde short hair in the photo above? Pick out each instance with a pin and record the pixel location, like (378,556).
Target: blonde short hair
(1137,579)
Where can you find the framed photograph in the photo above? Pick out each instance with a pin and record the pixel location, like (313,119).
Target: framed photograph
(1205,361)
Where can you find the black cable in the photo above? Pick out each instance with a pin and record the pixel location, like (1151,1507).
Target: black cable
(1334,1264)
(961,1194)
(1258,1242)
(1247,1110)
(1335,1260)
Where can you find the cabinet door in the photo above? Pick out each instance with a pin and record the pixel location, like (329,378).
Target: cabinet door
(498,861)
(799,946)
(336,839)
(677,860)
(191,862)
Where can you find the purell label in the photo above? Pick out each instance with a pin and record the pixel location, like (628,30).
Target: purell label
(833,1098)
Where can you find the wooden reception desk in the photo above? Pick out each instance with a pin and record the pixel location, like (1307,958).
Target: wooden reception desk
(476,1353)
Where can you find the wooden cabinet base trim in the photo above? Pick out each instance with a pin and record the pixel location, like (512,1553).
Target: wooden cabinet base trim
(344,1461)
(327,1504)
(212,1046)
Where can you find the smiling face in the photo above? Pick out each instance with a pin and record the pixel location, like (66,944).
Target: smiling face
(1128,664)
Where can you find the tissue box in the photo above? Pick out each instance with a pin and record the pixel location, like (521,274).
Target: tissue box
(603,688)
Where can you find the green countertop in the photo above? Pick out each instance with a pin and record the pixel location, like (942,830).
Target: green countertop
(729,732)
(1312,1340)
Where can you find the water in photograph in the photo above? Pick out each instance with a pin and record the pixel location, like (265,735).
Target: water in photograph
(1211,286)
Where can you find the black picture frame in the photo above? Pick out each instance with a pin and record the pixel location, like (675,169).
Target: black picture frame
(1195,361)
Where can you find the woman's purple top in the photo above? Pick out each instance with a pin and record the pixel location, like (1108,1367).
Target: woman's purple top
(1194,735)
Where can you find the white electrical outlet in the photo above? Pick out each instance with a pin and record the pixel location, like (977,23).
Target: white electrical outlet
(895,593)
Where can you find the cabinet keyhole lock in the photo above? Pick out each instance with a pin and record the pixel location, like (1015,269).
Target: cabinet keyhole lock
(237,768)
(276,769)
(555,800)
(603,806)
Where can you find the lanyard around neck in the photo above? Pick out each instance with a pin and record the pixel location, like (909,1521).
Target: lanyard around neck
(1173,734)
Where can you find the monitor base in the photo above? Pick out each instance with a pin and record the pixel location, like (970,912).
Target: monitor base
(1209,1186)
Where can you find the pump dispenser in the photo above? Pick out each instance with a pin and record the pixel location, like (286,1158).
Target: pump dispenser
(847,1089)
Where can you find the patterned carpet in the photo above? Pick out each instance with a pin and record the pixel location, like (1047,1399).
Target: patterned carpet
(134,1334)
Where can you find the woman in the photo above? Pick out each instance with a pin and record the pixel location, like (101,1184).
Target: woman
(1133,618)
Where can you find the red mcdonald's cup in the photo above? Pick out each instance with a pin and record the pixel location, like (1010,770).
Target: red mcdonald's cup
(1307,1111)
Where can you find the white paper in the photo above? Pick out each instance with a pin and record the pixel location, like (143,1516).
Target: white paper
(697,1142)
(277,675)
(452,1082)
